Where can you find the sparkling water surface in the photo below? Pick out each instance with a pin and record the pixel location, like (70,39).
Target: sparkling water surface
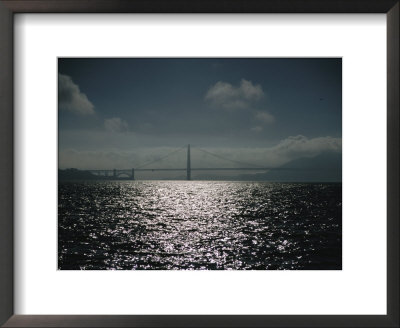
(199,225)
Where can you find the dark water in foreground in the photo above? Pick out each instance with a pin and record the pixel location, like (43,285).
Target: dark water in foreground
(199,225)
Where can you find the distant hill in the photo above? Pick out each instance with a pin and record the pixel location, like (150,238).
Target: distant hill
(326,167)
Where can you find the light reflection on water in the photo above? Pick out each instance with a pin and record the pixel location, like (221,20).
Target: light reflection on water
(199,225)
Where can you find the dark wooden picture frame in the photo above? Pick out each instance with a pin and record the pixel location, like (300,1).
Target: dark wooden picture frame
(10,7)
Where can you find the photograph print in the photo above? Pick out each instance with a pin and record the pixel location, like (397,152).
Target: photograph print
(199,163)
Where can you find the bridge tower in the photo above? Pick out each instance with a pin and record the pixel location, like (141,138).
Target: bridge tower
(188,169)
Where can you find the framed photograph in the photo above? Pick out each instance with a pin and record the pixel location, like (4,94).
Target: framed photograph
(241,195)
(203,164)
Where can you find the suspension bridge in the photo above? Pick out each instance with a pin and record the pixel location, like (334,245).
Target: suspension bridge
(130,173)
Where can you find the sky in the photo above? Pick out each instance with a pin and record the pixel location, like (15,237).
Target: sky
(125,112)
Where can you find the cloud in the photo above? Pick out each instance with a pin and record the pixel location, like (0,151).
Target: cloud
(108,159)
(225,95)
(264,117)
(115,125)
(283,152)
(70,98)
(121,159)
(301,146)
(250,91)
(256,128)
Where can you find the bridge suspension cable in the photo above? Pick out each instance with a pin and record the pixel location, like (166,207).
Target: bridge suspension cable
(161,158)
(228,159)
